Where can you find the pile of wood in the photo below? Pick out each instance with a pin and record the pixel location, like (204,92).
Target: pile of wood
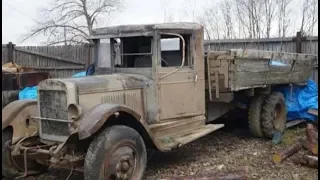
(310,144)
(12,67)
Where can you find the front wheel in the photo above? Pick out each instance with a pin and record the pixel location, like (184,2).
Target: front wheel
(118,152)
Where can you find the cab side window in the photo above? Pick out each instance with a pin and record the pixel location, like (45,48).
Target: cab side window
(132,52)
(172,49)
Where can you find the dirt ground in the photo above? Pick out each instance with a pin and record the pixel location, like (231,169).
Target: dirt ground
(228,149)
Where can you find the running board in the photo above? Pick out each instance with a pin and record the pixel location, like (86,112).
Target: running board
(186,137)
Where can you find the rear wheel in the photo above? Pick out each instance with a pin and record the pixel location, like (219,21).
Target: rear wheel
(254,115)
(274,114)
(118,152)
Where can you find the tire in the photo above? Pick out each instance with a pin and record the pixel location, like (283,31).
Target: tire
(100,162)
(274,114)
(13,167)
(254,115)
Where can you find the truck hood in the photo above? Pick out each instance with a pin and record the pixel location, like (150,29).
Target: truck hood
(112,82)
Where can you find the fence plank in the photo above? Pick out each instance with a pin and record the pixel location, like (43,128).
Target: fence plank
(58,61)
(33,52)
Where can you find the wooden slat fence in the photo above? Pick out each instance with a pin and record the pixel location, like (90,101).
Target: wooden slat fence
(59,61)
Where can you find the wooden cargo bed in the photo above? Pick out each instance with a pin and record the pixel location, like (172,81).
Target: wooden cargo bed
(238,69)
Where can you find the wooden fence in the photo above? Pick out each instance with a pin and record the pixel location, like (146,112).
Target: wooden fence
(64,61)
(298,44)
(59,61)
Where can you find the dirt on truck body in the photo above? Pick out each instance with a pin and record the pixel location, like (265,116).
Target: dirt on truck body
(145,95)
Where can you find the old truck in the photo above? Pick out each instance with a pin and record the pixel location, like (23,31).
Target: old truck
(157,89)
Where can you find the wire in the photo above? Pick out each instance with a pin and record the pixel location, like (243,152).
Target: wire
(20,12)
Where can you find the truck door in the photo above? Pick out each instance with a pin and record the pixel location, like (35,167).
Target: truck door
(180,78)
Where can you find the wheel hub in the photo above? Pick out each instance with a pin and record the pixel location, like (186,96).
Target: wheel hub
(125,167)
(120,164)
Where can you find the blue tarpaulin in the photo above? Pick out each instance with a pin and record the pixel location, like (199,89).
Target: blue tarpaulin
(32,92)
(300,99)
(28,93)
(80,74)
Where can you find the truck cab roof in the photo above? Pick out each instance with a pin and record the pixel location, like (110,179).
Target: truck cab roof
(142,29)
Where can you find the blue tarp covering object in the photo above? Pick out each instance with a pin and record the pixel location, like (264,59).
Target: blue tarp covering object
(32,92)
(29,93)
(277,63)
(301,100)
(80,74)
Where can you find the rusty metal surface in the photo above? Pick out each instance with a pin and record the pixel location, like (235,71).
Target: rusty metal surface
(53,104)
(16,114)
(133,90)
(154,99)
(181,93)
(92,121)
(61,94)
(143,28)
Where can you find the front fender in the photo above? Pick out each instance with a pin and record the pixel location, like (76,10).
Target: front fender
(93,120)
(17,115)
(10,111)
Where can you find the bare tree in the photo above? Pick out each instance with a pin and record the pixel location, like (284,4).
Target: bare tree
(309,16)
(283,18)
(313,16)
(304,14)
(249,14)
(226,11)
(210,19)
(244,25)
(269,15)
(72,21)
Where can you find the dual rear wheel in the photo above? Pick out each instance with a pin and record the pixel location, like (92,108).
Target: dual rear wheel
(267,115)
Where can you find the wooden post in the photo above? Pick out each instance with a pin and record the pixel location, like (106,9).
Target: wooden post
(10,52)
(90,56)
(298,42)
(298,39)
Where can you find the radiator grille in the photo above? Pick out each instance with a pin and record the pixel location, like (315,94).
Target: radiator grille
(53,104)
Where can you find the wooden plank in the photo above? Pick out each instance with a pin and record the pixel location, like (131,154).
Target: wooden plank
(244,79)
(56,67)
(294,123)
(264,67)
(209,79)
(216,73)
(313,112)
(49,56)
(261,54)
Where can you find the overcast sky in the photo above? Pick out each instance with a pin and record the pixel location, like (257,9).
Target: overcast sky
(19,15)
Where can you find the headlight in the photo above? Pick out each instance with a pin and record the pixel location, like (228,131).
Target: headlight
(74,112)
